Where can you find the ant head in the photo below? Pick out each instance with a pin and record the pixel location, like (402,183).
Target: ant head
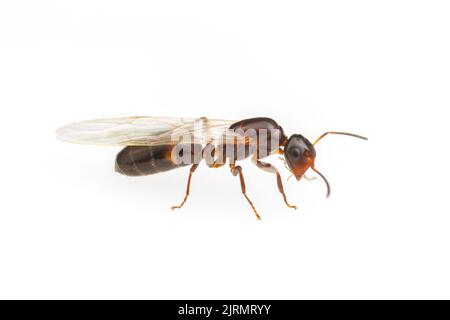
(299,154)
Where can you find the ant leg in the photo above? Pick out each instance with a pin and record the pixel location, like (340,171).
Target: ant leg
(191,171)
(270,168)
(237,170)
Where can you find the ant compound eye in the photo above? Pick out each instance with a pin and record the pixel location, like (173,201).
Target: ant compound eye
(295,153)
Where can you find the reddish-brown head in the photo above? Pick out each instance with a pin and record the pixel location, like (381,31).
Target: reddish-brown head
(299,154)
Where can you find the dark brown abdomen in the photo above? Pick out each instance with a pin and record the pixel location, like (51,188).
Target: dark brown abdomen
(143,160)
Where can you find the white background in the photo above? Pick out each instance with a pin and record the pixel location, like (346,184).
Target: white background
(70,227)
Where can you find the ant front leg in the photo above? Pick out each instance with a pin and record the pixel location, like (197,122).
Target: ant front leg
(237,170)
(191,171)
(272,169)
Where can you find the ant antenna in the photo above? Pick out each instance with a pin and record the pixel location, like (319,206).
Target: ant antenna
(324,179)
(342,133)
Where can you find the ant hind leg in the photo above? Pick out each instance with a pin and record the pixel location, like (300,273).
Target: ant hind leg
(191,171)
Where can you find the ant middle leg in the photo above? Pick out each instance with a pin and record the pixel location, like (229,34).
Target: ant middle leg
(272,169)
(237,170)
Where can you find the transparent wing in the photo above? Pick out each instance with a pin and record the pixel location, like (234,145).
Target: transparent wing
(145,131)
